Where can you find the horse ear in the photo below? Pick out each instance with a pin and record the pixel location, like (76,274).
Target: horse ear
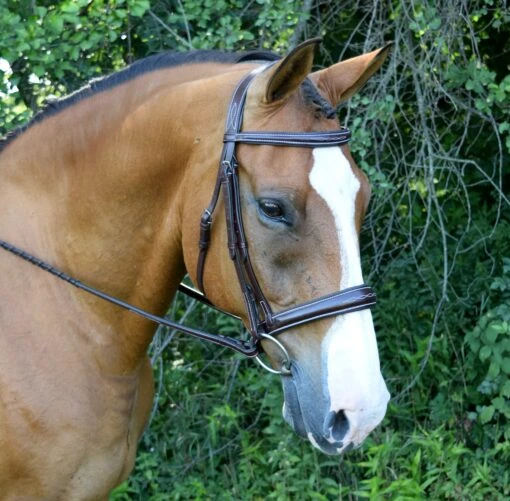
(342,80)
(286,76)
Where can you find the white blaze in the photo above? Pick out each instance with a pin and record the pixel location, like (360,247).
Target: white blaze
(350,356)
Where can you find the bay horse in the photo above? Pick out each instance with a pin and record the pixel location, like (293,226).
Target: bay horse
(109,186)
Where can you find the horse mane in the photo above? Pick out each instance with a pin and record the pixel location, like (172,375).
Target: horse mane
(157,62)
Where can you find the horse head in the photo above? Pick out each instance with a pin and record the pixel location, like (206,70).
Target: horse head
(302,210)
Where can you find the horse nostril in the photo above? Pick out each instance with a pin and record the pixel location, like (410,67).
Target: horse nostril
(336,425)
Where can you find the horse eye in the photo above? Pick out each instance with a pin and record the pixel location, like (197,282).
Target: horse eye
(272,209)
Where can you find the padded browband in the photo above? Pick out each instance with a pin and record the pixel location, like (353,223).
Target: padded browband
(298,139)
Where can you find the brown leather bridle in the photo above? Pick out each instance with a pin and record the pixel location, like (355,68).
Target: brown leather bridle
(263,322)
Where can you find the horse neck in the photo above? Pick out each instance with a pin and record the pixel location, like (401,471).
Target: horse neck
(105,179)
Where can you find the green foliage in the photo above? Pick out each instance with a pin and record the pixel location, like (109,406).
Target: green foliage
(53,47)
(488,361)
(432,131)
(224,24)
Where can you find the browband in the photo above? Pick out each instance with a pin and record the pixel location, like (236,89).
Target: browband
(298,139)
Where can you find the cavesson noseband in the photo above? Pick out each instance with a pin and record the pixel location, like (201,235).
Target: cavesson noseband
(263,322)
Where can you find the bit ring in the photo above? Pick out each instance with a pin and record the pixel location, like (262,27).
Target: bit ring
(285,370)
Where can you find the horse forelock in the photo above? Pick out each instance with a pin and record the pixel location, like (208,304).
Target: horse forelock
(314,98)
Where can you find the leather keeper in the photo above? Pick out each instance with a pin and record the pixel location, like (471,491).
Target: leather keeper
(205,230)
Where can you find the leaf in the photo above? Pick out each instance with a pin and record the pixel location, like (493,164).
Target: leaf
(139,8)
(492,331)
(486,414)
(494,370)
(485,353)
(55,23)
(503,127)
(499,404)
(435,24)
(505,390)
(505,365)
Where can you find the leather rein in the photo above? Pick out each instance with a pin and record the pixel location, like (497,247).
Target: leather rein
(263,322)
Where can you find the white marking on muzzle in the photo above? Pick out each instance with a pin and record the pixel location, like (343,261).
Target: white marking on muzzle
(350,357)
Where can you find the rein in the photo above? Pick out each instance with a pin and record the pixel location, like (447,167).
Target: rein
(263,322)
(246,348)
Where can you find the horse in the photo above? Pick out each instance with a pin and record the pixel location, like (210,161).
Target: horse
(108,186)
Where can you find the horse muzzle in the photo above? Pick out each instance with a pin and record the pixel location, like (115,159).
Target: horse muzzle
(307,410)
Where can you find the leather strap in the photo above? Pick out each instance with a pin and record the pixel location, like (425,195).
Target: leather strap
(232,126)
(345,301)
(297,139)
(233,135)
(246,348)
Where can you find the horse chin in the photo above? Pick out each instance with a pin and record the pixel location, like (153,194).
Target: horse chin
(302,411)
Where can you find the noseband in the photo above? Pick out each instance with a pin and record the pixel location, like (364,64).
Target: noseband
(264,324)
